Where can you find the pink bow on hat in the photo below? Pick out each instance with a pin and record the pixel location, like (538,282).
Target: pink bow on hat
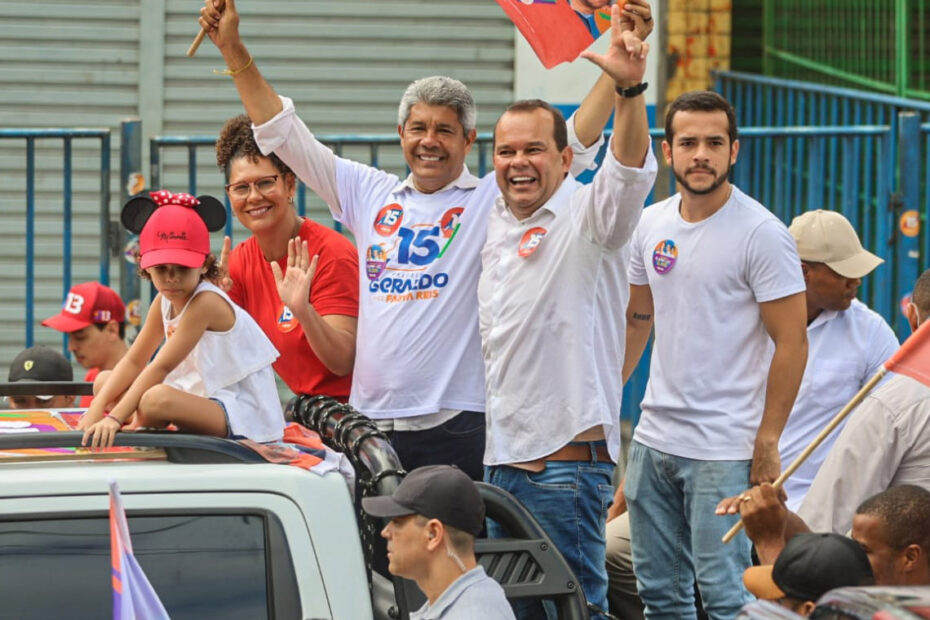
(163,197)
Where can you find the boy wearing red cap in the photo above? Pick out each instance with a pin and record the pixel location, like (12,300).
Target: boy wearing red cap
(94,317)
(212,371)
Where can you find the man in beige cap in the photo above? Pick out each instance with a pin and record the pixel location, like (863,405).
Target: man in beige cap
(847,342)
(885,443)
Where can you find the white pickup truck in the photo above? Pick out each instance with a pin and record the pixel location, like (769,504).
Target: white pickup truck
(221,533)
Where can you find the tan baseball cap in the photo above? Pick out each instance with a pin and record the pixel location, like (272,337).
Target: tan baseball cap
(828,237)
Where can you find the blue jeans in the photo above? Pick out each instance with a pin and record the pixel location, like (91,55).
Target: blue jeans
(676,534)
(569,500)
(459,442)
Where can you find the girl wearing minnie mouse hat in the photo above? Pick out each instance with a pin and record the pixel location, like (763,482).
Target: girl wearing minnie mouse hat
(213,374)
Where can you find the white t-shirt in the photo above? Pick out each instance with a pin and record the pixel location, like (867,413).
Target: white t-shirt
(549,298)
(710,360)
(844,350)
(233,367)
(418,349)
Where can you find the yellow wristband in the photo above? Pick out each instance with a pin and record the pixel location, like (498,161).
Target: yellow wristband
(234,72)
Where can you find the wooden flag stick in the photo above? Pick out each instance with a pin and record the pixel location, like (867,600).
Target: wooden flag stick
(200,35)
(852,404)
(197,41)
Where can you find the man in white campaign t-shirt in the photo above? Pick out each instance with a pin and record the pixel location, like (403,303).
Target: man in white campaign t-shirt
(721,275)
(418,367)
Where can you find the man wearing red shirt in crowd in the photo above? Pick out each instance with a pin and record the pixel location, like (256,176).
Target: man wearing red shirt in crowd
(94,317)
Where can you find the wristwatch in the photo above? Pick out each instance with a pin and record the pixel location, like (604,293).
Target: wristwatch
(632,91)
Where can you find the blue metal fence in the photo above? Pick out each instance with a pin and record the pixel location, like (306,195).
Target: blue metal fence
(900,199)
(67,137)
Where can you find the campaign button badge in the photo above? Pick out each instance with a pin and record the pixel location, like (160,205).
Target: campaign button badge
(286,321)
(375,262)
(531,240)
(664,256)
(388,219)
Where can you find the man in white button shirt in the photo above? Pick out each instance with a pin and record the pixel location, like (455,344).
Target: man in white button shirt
(418,367)
(847,342)
(722,276)
(552,287)
(885,443)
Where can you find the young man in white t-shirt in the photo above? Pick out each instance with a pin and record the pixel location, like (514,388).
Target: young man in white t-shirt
(721,275)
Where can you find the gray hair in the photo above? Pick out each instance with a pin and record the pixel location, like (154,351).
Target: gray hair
(440,90)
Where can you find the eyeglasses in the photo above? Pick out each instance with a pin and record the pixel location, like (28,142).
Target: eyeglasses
(264,185)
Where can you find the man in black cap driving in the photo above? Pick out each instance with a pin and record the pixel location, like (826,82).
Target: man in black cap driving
(435,515)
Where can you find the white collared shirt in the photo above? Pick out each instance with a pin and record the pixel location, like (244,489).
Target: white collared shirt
(418,349)
(885,443)
(844,350)
(552,297)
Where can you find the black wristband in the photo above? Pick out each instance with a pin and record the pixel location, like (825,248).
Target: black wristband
(632,91)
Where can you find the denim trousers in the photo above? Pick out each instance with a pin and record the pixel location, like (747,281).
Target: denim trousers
(676,534)
(569,499)
(459,442)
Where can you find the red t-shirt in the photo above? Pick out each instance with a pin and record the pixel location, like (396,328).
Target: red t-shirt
(334,290)
(90,376)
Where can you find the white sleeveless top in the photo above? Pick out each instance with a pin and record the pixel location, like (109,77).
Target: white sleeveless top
(233,367)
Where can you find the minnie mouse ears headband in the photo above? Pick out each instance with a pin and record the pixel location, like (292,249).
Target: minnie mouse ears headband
(138,209)
(173,228)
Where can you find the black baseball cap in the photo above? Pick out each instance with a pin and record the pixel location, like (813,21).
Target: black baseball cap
(40,363)
(439,492)
(810,565)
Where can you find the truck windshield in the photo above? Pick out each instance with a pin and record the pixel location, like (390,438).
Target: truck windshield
(200,565)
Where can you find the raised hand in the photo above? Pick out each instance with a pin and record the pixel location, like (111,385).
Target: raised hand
(294,284)
(223,280)
(636,15)
(220,21)
(625,60)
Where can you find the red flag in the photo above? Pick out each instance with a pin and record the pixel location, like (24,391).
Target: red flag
(555,31)
(913,358)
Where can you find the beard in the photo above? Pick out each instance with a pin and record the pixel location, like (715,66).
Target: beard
(718,181)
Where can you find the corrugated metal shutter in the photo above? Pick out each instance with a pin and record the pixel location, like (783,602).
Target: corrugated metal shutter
(62,64)
(69,64)
(345,64)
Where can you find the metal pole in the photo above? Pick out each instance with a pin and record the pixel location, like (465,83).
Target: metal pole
(130,169)
(907,251)
(30,238)
(900,48)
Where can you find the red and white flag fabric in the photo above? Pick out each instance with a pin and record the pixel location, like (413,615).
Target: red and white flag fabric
(134,598)
(913,358)
(556,32)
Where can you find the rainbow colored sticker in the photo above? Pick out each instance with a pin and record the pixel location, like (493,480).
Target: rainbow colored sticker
(664,256)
